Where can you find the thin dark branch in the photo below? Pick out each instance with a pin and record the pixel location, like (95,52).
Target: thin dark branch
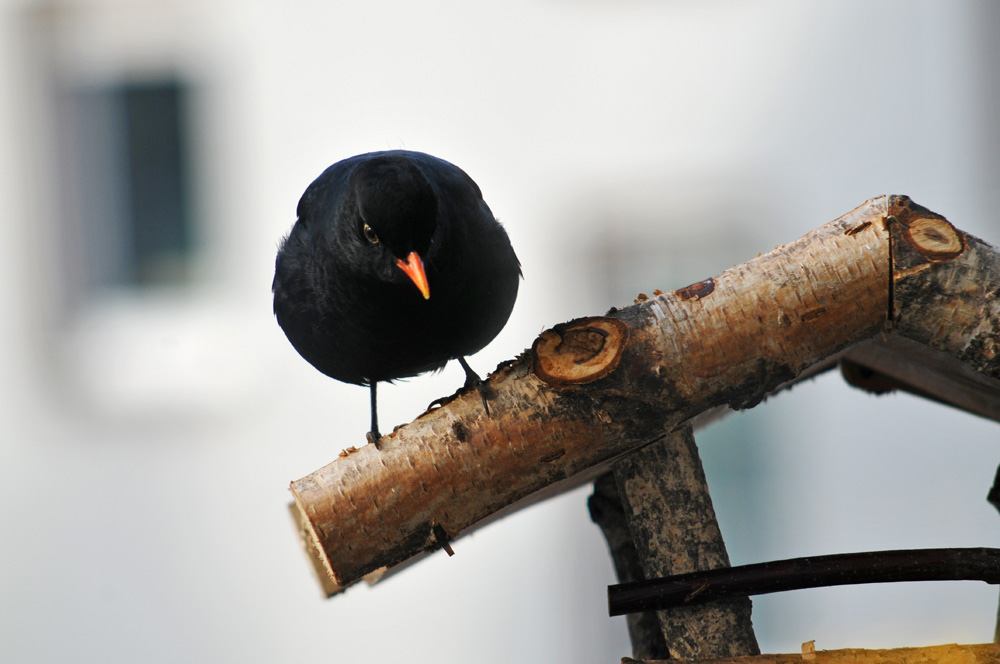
(812,572)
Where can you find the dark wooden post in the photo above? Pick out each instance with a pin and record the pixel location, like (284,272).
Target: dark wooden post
(666,505)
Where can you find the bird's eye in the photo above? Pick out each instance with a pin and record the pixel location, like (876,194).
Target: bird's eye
(370,234)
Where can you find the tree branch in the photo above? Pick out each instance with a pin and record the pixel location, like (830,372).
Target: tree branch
(607,512)
(669,512)
(988,653)
(696,588)
(594,389)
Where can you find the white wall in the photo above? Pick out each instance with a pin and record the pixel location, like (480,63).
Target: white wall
(147,442)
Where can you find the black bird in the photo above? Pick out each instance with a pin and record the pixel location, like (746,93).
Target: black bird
(395,266)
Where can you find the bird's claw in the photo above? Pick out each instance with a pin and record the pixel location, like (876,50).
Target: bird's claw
(472,379)
(373,438)
(437,403)
(484,389)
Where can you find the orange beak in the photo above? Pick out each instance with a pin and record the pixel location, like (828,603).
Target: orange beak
(414,269)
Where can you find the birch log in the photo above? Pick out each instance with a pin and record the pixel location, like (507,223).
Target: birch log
(887,280)
(986,653)
(666,503)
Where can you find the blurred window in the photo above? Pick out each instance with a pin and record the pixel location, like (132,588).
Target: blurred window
(128,208)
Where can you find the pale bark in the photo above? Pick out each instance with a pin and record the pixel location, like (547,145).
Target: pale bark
(594,389)
(987,653)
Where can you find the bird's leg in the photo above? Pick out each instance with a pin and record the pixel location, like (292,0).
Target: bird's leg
(472,379)
(373,436)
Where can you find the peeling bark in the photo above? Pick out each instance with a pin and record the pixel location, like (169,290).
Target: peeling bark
(945,314)
(645,369)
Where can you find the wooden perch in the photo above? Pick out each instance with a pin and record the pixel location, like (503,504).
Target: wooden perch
(987,653)
(910,302)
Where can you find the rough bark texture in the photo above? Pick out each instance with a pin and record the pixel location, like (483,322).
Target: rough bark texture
(607,512)
(945,315)
(987,653)
(648,368)
(669,512)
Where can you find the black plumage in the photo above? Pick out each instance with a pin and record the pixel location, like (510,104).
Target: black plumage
(395,266)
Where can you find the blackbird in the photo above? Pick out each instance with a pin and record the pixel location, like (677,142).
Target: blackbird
(394,266)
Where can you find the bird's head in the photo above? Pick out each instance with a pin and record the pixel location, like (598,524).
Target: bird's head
(395,220)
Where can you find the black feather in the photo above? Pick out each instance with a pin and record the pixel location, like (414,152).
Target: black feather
(347,307)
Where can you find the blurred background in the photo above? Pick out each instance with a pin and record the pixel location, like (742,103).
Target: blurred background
(153,152)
